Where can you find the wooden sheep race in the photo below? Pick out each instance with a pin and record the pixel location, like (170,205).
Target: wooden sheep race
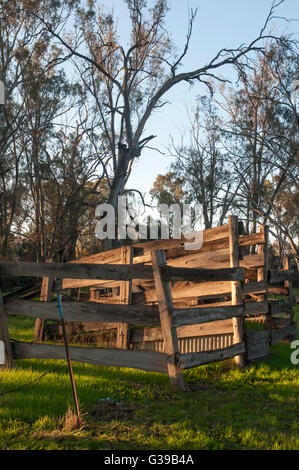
(172,309)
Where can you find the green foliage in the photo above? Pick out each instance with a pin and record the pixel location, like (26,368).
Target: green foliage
(168,189)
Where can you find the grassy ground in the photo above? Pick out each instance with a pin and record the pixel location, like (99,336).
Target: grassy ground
(223,407)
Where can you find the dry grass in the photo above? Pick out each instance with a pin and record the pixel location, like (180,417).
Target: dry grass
(71,421)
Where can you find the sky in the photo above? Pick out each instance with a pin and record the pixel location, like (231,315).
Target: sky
(219,23)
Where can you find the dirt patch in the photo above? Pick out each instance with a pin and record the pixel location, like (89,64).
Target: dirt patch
(105,411)
(198,387)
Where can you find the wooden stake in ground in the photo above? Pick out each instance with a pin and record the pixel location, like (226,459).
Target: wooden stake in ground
(67,350)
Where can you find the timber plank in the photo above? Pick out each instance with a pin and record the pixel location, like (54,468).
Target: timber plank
(259,287)
(200,274)
(252,239)
(258,344)
(276,290)
(209,235)
(206,259)
(96,326)
(111,256)
(184,289)
(202,329)
(206,357)
(175,248)
(252,261)
(76,271)
(86,311)
(216,233)
(77,283)
(144,360)
(257,349)
(280,334)
(209,247)
(254,337)
(253,308)
(276,276)
(193,316)
(278,306)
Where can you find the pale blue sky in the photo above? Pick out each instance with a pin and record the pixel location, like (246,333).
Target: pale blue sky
(219,23)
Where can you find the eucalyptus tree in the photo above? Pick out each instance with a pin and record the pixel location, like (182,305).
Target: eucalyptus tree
(18,34)
(23,42)
(251,115)
(128,84)
(203,165)
(261,132)
(282,210)
(47,99)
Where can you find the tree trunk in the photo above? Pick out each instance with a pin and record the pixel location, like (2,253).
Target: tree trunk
(117,189)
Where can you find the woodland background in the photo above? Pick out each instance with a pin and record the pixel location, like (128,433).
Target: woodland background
(77,102)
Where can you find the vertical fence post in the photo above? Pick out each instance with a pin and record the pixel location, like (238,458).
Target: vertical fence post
(236,287)
(122,338)
(262,275)
(4,336)
(165,308)
(45,296)
(126,286)
(262,272)
(289,285)
(125,294)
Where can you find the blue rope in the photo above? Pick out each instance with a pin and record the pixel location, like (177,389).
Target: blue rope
(59,305)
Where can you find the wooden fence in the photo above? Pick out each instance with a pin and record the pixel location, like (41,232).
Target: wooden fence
(171,361)
(190,307)
(223,247)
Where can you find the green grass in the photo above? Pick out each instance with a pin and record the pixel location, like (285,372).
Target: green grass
(222,408)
